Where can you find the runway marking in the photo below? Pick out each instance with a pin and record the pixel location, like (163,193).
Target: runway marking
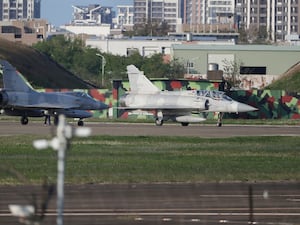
(181,211)
(141,214)
(176,214)
(146,210)
(293,199)
(167,219)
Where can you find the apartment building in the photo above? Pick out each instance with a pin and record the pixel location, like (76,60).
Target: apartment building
(92,14)
(19,9)
(218,11)
(20,21)
(279,17)
(24,31)
(208,15)
(124,18)
(157,11)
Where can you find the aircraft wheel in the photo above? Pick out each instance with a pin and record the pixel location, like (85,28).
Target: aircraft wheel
(24,120)
(220,116)
(159,122)
(80,123)
(184,124)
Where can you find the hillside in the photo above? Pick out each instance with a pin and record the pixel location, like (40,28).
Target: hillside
(38,69)
(289,81)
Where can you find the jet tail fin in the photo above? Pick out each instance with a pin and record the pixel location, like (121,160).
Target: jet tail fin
(139,83)
(12,79)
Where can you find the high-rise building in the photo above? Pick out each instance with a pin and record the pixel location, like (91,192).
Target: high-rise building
(199,13)
(280,18)
(218,11)
(92,14)
(124,17)
(19,9)
(157,11)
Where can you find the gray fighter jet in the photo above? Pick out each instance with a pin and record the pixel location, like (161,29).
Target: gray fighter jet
(178,106)
(18,98)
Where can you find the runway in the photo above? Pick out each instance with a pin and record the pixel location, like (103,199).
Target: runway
(142,129)
(213,203)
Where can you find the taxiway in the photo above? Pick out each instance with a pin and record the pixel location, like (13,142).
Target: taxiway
(141,129)
(213,203)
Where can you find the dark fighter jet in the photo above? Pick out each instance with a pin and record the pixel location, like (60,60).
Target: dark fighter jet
(18,98)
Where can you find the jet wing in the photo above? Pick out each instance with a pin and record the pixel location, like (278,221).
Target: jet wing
(149,107)
(166,111)
(43,105)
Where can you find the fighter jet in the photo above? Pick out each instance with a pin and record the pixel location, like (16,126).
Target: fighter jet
(179,106)
(18,98)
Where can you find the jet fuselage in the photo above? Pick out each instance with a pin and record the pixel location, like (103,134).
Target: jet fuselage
(165,100)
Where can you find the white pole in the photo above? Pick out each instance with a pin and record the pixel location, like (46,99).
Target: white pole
(62,140)
(103,62)
(61,144)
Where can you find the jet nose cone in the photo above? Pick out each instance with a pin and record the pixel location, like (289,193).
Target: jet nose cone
(241,107)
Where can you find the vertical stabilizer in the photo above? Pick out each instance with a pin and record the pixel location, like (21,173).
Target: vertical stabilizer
(12,79)
(139,83)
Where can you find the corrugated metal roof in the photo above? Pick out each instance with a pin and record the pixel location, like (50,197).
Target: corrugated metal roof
(235,47)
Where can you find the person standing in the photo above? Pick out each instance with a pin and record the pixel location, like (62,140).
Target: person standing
(47,120)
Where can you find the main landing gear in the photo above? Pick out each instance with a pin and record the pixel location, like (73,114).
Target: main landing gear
(24,120)
(159,122)
(220,117)
(159,119)
(80,122)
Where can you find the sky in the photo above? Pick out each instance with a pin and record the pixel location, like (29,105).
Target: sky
(59,12)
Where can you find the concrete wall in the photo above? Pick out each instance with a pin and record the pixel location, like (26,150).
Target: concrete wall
(121,47)
(276,59)
(101,30)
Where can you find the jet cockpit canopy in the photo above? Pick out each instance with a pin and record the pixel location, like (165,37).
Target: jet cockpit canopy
(217,95)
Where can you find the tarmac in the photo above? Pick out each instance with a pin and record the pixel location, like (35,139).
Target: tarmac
(202,203)
(144,129)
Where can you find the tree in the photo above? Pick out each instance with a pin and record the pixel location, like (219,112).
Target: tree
(162,29)
(176,69)
(231,70)
(154,28)
(262,35)
(243,37)
(154,66)
(256,35)
(84,62)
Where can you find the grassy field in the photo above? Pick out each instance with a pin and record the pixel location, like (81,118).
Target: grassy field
(110,159)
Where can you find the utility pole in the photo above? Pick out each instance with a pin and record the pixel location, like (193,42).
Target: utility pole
(103,62)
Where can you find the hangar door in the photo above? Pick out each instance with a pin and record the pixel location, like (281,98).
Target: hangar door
(219,59)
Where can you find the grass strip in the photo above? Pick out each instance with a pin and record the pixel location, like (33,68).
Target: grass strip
(111,159)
